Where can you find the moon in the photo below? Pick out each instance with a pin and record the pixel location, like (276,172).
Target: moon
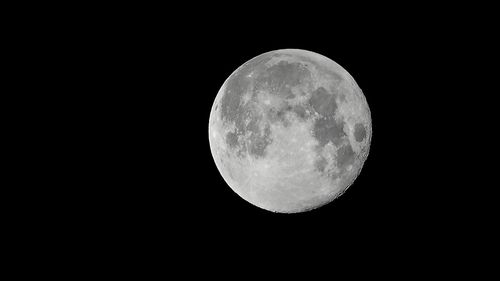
(290,130)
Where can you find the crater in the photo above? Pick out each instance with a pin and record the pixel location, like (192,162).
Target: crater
(279,78)
(251,135)
(281,114)
(232,139)
(320,164)
(323,102)
(359,132)
(332,74)
(259,142)
(238,84)
(276,115)
(300,112)
(345,156)
(328,129)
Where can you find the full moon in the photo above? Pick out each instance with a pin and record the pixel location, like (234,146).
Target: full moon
(289,130)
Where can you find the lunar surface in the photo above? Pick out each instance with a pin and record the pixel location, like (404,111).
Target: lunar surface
(290,130)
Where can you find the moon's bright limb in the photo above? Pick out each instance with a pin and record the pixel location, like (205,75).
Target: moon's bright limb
(289,130)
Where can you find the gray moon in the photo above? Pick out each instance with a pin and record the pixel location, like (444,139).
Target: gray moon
(290,130)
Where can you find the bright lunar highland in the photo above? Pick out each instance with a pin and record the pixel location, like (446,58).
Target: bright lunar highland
(290,130)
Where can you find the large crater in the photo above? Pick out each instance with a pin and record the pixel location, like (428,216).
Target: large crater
(289,130)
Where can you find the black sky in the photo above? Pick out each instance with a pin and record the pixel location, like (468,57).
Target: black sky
(156,80)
